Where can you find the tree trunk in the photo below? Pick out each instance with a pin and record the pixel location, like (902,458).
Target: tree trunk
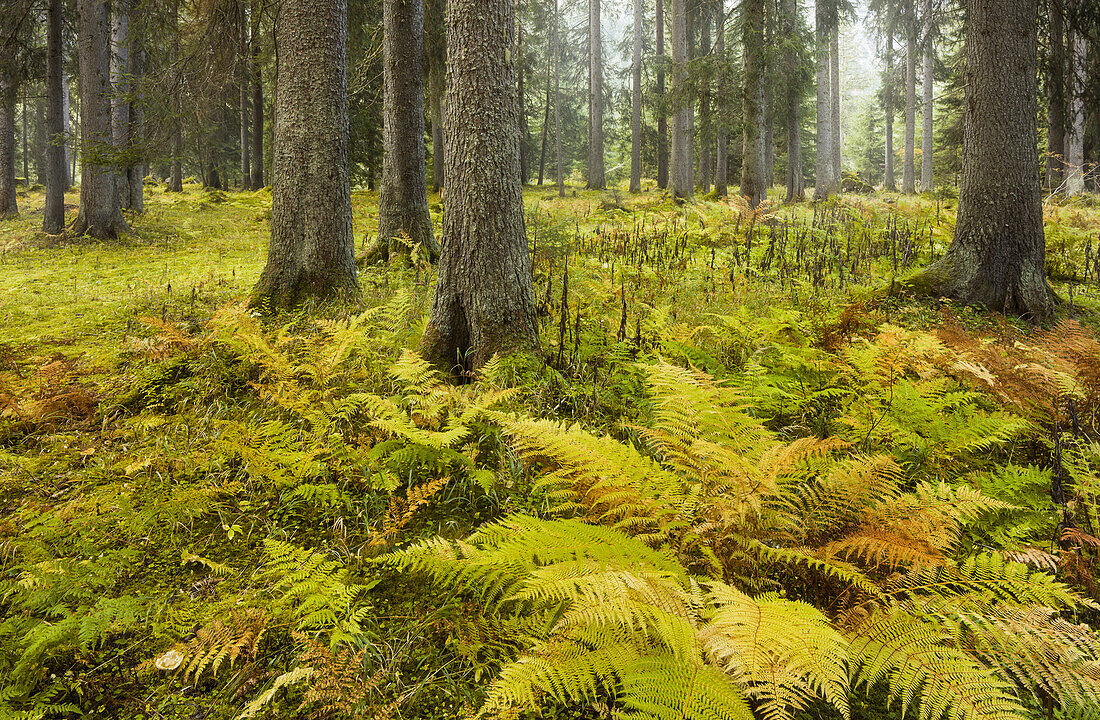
(8,206)
(1056,96)
(926,180)
(312,250)
(834,107)
(175,174)
(523,135)
(769,99)
(753,184)
(636,104)
(403,217)
(681,119)
(596,178)
(244,61)
(69,156)
(257,155)
(1075,117)
(546,109)
(662,119)
(721,170)
(790,33)
(53,219)
(135,170)
(909,172)
(703,139)
(100,215)
(120,94)
(435,96)
(560,177)
(889,182)
(997,256)
(484,300)
(823,173)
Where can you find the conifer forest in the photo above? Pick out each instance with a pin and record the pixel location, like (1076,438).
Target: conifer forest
(571,359)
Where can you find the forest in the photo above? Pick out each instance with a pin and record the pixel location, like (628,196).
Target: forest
(580,359)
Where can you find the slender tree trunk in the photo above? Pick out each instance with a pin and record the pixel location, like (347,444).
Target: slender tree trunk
(705,136)
(721,170)
(834,108)
(560,177)
(909,172)
(998,254)
(889,183)
(312,249)
(596,177)
(244,62)
(523,134)
(257,154)
(1056,96)
(175,175)
(1075,117)
(752,168)
(546,109)
(100,215)
(790,33)
(135,170)
(435,96)
(823,174)
(53,219)
(26,151)
(662,118)
(69,156)
(484,300)
(926,180)
(8,88)
(636,104)
(403,217)
(769,99)
(681,155)
(120,96)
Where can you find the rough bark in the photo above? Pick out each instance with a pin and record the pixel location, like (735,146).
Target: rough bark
(834,107)
(1074,169)
(889,182)
(926,180)
(523,133)
(1056,96)
(789,33)
(560,173)
(753,183)
(53,218)
(244,62)
(824,182)
(997,256)
(312,250)
(403,217)
(636,104)
(706,126)
(681,154)
(662,120)
(909,170)
(257,155)
(596,176)
(8,206)
(100,215)
(484,300)
(721,169)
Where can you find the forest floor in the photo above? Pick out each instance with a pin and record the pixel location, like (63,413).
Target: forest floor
(163,452)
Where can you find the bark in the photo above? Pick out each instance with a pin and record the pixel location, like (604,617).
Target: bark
(523,134)
(484,300)
(175,174)
(403,217)
(662,119)
(926,180)
(136,170)
(53,219)
(997,256)
(889,182)
(120,95)
(1074,169)
(721,170)
(824,182)
(244,62)
(100,215)
(435,97)
(596,176)
(546,109)
(681,154)
(753,183)
(908,174)
(636,104)
(789,32)
(1056,96)
(834,107)
(769,98)
(69,157)
(560,176)
(257,154)
(8,87)
(702,171)
(312,250)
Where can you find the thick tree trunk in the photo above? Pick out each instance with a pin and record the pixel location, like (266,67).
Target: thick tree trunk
(926,181)
(753,184)
(998,253)
(484,300)
(1056,96)
(834,108)
(244,61)
(721,170)
(662,120)
(312,250)
(889,182)
(636,104)
(120,95)
(909,171)
(790,32)
(824,183)
(681,154)
(403,218)
(560,176)
(257,155)
(100,215)
(596,177)
(53,218)
(8,205)
(1075,116)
